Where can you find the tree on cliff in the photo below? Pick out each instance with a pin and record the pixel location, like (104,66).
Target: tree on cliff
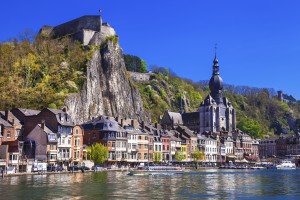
(97,153)
(135,64)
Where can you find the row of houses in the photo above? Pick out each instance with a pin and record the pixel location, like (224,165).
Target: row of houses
(49,135)
(280,147)
(30,136)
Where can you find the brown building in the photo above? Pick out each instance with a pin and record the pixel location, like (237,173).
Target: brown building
(77,144)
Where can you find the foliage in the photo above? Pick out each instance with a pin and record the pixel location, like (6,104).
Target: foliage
(157,156)
(250,126)
(179,156)
(165,93)
(113,38)
(41,73)
(198,155)
(135,64)
(98,153)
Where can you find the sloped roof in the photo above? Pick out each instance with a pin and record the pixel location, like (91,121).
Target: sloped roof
(10,117)
(103,123)
(5,123)
(176,117)
(28,112)
(64,122)
(208,101)
(188,131)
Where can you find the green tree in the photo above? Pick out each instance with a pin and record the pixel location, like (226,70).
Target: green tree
(98,153)
(135,64)
(250,126)
(197,156)
(157,156)
(179,156)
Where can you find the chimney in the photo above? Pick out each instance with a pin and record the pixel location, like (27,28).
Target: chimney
(6,115)
(59,114)
(143,124)
(132,123)
(43,124)
(155,125)
(13,121)
(122,122)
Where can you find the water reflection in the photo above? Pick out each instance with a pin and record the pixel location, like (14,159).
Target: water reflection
(209,184)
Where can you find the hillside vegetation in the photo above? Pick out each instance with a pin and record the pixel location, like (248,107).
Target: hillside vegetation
(43,73)
(259,113)
(40,74)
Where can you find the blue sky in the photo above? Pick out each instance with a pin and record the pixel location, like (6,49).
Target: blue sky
(258,41)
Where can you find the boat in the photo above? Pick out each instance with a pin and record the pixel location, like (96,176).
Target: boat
(156,170)
(258,167)
(286,164)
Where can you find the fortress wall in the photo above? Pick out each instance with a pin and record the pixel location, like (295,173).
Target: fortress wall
(85,22)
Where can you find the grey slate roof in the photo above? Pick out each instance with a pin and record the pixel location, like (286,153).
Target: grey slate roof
(5,123)
(63,114)
(103,123)
(28,112)
(176,117)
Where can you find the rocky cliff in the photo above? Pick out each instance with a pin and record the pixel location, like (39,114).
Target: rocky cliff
(107,89)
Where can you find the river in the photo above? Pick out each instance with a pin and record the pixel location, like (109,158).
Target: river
(204,184)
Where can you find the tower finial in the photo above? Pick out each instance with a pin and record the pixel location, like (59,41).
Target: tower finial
(216,50)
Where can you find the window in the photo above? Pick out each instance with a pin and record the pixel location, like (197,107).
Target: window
(8,134)
(113,144)
(76,131)
(69,141)
(51,147)
(145,156)
(140,146)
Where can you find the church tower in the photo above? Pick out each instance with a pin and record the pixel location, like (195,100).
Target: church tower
(216,112)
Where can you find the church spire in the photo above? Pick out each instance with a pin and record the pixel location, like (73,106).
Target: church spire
(216,82)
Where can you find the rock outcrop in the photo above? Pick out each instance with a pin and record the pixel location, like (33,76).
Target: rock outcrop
(107,89)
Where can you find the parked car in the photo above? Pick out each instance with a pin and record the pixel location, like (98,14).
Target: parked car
(73,168)
(53,168)
(85,168)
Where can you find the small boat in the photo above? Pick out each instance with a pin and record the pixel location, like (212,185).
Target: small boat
(258,167)
(156,170)
(286,164)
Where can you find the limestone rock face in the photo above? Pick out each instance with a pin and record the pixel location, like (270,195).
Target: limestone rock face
(107,90)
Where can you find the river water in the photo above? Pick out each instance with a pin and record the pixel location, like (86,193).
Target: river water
(204,184)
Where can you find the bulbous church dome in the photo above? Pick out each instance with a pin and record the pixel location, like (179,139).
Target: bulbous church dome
(215,82)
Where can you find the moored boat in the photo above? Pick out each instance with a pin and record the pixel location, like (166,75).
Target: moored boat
(257,167)
(286,164)
(155,170)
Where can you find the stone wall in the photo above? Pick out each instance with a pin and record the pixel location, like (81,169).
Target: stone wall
(71,27)
(140,77)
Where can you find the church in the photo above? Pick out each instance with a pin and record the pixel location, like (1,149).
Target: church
(216,114)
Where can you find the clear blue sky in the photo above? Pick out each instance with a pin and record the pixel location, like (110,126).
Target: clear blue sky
(258,41)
